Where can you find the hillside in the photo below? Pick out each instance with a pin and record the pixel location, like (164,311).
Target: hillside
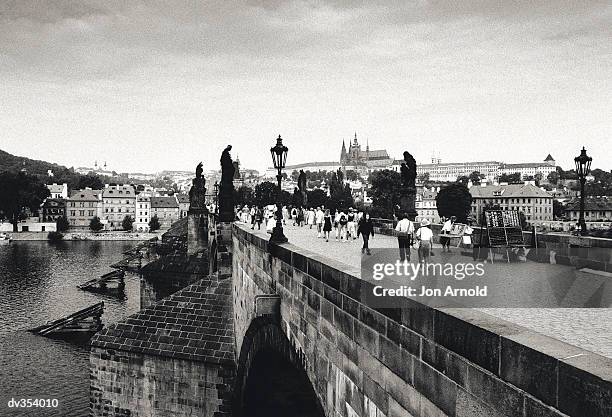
(15,163)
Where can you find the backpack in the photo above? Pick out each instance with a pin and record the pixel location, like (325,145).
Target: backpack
(343,220)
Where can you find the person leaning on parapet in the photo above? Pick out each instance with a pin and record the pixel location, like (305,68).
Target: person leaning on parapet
(365,229)
(404,231)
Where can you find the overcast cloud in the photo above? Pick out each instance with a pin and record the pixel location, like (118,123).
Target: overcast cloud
(151,85)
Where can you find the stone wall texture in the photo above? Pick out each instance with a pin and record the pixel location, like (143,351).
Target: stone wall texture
(411,361)
(134,384)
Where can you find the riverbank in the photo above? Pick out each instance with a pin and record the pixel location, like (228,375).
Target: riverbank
(115,235)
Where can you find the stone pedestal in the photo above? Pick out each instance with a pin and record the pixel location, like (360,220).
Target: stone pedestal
(197,231)
(407,202)
(226,203)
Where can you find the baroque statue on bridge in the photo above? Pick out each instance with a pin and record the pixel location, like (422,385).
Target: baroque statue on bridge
(226,186)
(227,166)
(302,187)
(197,193)
(408,170)
(408,191)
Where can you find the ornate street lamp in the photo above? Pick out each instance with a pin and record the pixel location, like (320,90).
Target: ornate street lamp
(583,167)
(216,197)
(279,157)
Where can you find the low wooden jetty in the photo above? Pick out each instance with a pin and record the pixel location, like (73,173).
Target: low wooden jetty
(86,320)
(112,283)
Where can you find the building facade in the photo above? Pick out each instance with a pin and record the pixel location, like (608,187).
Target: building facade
(142,214)
(166,209)
(595,209)
(492,170)
(119,202)
(530,170)
(82,207)
(52,209)
(183,201)
(535,203)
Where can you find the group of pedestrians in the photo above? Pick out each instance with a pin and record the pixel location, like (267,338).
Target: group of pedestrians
(347,225)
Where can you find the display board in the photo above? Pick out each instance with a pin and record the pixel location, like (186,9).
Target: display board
(504,228)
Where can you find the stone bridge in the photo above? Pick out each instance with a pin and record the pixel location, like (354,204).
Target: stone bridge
(278,330)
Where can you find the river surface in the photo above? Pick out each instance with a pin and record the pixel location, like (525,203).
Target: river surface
(37,284)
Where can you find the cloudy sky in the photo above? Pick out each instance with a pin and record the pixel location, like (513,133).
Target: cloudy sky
(151,85)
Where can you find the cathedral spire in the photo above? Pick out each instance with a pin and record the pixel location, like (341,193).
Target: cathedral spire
(355,138)
(343,152)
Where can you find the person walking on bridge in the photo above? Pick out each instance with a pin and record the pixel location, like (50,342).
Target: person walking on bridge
(405,232)
(327,225)
(319,215)
(425,237)
(366,229)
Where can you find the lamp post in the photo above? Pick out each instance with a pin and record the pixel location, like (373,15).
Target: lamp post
(216,197)
(583,167)
(279,157)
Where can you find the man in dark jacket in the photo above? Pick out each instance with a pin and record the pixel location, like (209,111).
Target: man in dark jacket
(366,229)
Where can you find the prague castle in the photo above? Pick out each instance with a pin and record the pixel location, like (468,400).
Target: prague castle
(362,161)
(357,158)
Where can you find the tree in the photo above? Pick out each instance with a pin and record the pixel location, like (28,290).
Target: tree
(127,223)
(538,178)
(463,179)
(55,237)
(90,181)
(244,195)
(454,200)
(265,193)
(352,175)
(385,189)
(62,224)
(553,177)
(423,178)
(20,192)
(476,177)
(154,223)
(510,178)
(317,198)
(95,224)
(558,210)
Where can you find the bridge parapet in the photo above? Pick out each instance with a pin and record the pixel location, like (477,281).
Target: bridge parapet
(409,361)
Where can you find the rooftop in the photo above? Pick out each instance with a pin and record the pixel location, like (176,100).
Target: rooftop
(508,191)
(194,323)
(115,191)
(164,202)
(524,165)
(591,204)
(85,195)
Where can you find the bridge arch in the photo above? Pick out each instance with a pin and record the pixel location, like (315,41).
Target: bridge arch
(271,379)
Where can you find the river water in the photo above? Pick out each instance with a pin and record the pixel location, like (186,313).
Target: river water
(38,283)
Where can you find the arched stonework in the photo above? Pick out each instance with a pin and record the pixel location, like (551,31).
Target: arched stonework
(264,335)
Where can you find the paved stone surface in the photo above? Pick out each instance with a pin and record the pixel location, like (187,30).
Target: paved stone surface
(587,328)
